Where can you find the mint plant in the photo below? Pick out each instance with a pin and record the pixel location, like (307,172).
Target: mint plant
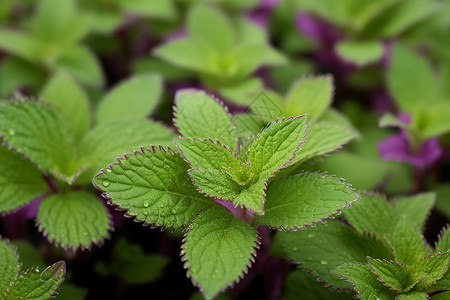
(191,186)
(50,151)
(383,255)
(47,43)
(223,51)
(16,283)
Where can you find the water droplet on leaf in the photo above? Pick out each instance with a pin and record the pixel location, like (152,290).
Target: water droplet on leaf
(294,249)
(323,262)
(145,203)
(311,235)
(11,132)
(105,182)
(108,170)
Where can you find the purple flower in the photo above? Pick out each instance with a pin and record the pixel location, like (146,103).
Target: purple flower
(397,147)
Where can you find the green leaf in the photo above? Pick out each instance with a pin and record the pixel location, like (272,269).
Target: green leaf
(276,145)
(431,119)
(18,43)
(20,181)
(310,95)
(430,269)
(218,249)
(29,255)
(300,285)
(444,241)
(107,141)
(413,295)
(360,53)
(36,285)
(372,214)
(442,284)
(411,80)
(323,138)
(134,98)
(130,262)
(392,274)
(407,242)
(416,208)
(9,264)
(441,296)
(242,92)
(364,281)
(71,101)
(154,187)
(322,248)
(186,53)
(211,26)
(35,130)
(82,64)
(74,219)
(153,9)
(267,106)
(304,199)
(197,115)
(16,72)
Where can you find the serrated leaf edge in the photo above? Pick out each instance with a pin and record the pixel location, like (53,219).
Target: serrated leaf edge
(440,236)
(389,262)
(329,217)
(14,248)
(237,280)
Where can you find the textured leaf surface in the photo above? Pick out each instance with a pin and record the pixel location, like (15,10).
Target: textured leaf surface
(34,129)
(360,53)
(410,79)
(442,284)
(414,295)
(276,145)
(392,274)
(304,199)
(372,214)
(310,95)
(431,269)
(154,187)
(20,181)
(9,265)
(132,99)
(365,282)
(74,219)
(71,101)
(36,285)
(218,249)
(416,208)
(197,115)
(109,140)
(323,138)
(320,249)
(18,43)
(442,296)
(300,285)
(407,243)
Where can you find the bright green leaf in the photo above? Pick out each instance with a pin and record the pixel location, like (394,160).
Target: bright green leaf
(18,43)
(71,101)
(218,249)
(16,72)
(74,219)
(277,145)
(243,91)
(416,208)
(154,187)
(153,9)
(391,273)
(431,269)
(82,64)
(411,80)
(431,119)
(442,284)
(414,295)
(304,199)
(134,98)
(34,129)
(107,141)
(360,53)
(441,296)
(372,214)
(267,106)
(310,95)
(200,116)
(9,264)
(320,249)
(36,285)
(20,181)
(365,282)
(211,26)
(407,242)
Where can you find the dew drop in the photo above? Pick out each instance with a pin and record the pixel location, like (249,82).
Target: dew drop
(323,262)
(36,270)
(311,235)
(105,182)
(162,205)
(108,170)
(163,214)
(294,249)
(145,203)
(11,132)
(133,168)
(145,212)
(174,211)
